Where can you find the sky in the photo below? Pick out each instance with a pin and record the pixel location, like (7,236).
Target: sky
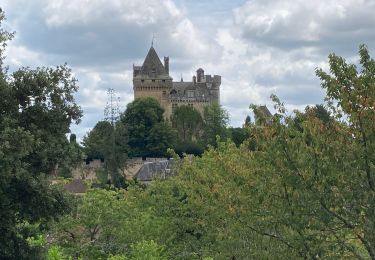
(259,47)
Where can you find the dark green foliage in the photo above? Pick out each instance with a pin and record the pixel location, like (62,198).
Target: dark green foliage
(36,110)
(322,113)
(148,134)
(188,123)
(98,141)
(109,144)
(33,144)
(76,156)
(304,191)
(160,138)
(215,122)
(247,121)
(73,138)
(115,161)
(46,108)
(238,135)
(194,148)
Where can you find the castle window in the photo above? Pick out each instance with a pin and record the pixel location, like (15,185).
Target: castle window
(153,80)
(163,80)
(190,105)
(153,70)
(190,94)
(164,93)
(142,80)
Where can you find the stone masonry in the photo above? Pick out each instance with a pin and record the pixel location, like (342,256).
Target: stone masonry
(152,80)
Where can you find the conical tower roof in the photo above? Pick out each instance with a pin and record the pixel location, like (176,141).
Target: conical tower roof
(152,65)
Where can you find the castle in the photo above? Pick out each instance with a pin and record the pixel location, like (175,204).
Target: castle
(152,80)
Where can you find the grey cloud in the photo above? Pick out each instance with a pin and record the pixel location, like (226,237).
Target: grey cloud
(106,39)
(292,24)
(253,57)
(300,94)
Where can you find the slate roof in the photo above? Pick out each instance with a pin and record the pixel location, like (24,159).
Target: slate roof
(152,170)
(265,111)
(76,186)
(180,89)
(152,65)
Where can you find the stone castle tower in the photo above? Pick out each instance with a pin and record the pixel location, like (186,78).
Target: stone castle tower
(152,80)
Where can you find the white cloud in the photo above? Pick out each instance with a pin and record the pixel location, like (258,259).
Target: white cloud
(260,47)
(20,56)
(285,23)
(62,12)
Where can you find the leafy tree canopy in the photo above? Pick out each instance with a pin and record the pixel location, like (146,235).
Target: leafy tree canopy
(36,110)
(188,123)
(148,134)
(304,191)
(215,123)
(98,141)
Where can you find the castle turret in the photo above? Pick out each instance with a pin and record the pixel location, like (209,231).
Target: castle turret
(166,64)
(152,78)
(200,75)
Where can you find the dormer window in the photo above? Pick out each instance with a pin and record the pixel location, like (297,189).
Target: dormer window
(153,70)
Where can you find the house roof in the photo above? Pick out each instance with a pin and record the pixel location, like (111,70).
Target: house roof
(181,86)
(76,186)
(152,170)
(265,111)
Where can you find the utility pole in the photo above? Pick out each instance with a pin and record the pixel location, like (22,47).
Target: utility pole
(111,115)
(111,110)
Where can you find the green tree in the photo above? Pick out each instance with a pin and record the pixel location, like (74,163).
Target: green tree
(238,134)
(316,169)
(351,97)
(148,134)
(215,122)
(304,191)
(108,143)
(160,138)
(247,121)
(76,157)
(188,123)
(111,223)
(98,141)
(36,110)
(148,250)
(116,161)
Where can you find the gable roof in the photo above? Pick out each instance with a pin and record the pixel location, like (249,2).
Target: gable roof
(265,111)
(151,170)
(152,65)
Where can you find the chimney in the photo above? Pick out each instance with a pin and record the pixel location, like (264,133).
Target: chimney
(200,75)
(194,79)
(166,64)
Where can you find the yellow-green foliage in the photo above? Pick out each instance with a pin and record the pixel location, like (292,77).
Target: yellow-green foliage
(301,187)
